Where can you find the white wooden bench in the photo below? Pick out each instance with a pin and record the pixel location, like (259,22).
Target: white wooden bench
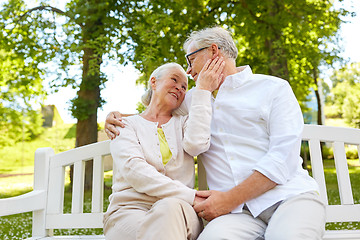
(46,201)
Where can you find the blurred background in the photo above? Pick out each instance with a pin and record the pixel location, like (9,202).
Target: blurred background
(65,64)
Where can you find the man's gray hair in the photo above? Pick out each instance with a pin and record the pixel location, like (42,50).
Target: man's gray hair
(158,73)
(217,35)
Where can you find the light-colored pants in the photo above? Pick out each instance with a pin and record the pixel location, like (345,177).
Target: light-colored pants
(168,218)
(297,218)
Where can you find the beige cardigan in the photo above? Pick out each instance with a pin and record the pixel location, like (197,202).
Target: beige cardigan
(140,174)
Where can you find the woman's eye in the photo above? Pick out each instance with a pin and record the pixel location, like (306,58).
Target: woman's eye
(174,79)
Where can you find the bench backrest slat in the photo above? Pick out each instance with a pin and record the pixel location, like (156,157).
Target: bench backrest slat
(77,201)
(55,203)
(317,167)
(98,185)
(342,173)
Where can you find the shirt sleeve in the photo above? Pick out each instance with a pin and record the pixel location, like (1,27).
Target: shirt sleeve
(143,177)
(285,126)
(197,133)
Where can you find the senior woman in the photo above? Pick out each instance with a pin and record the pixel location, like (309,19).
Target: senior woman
(153,190)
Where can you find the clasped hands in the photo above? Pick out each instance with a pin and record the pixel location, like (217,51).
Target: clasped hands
(211,204)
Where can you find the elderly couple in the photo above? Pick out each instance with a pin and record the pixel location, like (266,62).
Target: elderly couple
(247,130)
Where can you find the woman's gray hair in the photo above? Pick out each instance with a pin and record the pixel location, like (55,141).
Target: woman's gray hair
(217,35)
(158,73)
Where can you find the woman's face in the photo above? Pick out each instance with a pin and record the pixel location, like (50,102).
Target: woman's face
(171,88)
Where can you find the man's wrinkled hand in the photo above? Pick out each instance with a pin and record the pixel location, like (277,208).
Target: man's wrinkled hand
(216,204)
(211,75)
(113,119)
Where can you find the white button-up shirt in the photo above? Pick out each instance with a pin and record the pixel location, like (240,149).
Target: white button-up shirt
(257,125)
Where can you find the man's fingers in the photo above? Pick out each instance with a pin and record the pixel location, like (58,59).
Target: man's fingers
(117,115)
(199,207)
(110,134)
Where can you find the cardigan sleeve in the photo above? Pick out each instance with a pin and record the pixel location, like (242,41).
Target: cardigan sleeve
(197,133)
(143,177)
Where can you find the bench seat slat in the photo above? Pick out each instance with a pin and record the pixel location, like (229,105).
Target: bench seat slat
(342,234)
(81,220)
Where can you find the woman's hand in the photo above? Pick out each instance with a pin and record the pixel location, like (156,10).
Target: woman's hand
(211,75)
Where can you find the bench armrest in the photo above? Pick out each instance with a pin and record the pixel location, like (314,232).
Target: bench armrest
(28,202)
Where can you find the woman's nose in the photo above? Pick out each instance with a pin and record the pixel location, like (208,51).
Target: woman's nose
(188,70)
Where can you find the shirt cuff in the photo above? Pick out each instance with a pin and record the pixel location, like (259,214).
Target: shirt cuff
(200,97)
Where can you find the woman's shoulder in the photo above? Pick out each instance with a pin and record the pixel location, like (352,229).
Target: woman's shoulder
(131,121)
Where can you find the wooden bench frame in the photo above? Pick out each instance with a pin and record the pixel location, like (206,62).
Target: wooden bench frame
(46,201)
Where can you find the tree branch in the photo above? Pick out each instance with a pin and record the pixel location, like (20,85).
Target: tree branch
(48,8)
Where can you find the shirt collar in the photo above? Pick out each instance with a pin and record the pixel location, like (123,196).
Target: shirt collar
(244,73)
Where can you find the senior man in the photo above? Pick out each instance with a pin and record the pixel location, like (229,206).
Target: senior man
(258,188)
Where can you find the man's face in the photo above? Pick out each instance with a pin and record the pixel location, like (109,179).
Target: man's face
(196,59)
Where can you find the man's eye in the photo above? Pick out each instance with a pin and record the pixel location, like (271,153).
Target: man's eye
(174,79)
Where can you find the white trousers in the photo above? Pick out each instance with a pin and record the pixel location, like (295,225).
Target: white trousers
(168,218)
(297,218)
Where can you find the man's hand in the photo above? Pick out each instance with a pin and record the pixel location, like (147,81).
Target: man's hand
(113,119)
(211,75)
(216,204)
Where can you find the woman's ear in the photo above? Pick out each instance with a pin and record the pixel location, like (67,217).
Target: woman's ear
(153,83)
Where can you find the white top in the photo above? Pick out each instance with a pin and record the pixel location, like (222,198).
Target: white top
(257,125)
(140,173)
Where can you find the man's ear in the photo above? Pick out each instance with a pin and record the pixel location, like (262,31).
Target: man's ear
(215,50)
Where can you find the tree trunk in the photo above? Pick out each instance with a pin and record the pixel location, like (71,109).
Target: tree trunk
(89,93)
(318,98)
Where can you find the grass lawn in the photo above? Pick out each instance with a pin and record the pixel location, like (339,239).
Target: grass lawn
(19,158)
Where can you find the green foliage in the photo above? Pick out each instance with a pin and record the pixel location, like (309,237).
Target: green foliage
(288,39)
(140,107)
(20,78)
(351,107)
(350,73)
(74,40)
(344,97)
